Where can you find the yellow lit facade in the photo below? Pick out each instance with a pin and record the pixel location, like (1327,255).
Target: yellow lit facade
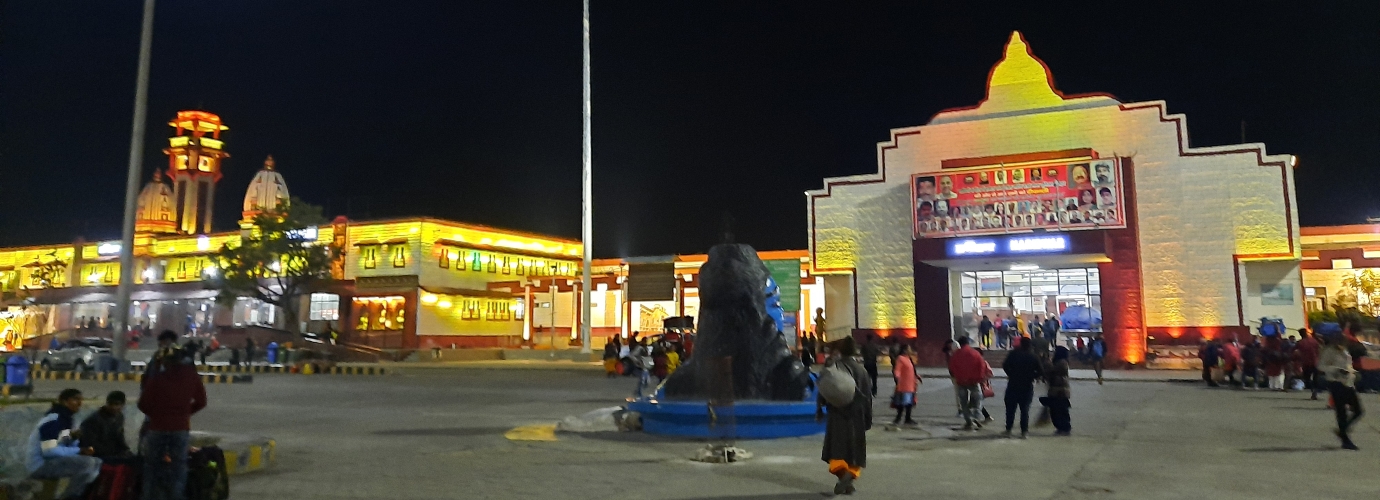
(1212,246)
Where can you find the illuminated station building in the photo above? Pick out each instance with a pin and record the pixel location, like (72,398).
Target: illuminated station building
(1035,202)
(408,283)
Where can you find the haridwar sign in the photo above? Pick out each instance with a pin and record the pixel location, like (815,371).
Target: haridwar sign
(1057,196)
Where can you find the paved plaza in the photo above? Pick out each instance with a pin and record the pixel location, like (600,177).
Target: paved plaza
(430,433)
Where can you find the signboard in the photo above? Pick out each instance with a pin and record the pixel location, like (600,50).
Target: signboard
(786,272)
(1023,244)
(1056,196)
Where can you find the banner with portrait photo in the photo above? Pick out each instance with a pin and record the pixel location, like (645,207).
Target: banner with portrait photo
(1085,194)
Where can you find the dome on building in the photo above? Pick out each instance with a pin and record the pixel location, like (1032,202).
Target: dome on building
(267,192)
(155,212)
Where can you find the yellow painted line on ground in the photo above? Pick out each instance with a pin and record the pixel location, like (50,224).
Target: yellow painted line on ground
(532,433)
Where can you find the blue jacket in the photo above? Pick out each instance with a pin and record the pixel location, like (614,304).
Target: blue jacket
(52,437)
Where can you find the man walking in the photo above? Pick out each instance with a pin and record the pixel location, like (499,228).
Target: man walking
(985,332)
(54,451)
(968,371)
(1022,368)
(171,394)
(1097,354)
(1335,363)
(1051,328)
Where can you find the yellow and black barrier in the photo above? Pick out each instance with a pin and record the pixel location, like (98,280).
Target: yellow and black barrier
(206,378)
(355,370)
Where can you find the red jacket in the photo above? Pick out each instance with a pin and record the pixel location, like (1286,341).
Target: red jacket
(170,397)
(1306,352)
(967,367)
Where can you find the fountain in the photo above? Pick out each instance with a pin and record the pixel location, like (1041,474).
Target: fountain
(742,381)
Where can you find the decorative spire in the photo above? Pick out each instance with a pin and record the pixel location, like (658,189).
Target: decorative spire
(1020,80)
(268,163)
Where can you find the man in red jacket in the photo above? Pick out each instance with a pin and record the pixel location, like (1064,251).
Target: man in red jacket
(1306,358)
(969,370)
(172,392)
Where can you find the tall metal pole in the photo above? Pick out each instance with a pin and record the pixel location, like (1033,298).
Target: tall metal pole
(587,222)
(136,157)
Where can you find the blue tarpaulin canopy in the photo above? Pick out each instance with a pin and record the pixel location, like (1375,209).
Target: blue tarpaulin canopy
(1079,317)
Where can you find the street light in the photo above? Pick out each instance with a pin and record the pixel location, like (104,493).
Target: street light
(136,156)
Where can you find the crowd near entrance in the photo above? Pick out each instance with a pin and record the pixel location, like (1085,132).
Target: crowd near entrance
(1024,299)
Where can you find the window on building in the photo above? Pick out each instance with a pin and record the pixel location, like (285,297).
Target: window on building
(470,311)
(521,267)
(519,309)
(474,262)
(324,306)
(492,265)
(369,256)
(1031,294)
(182,269)
(444,260)
(399,255)
(507,266)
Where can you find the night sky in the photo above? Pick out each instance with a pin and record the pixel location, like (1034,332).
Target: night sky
(471,110)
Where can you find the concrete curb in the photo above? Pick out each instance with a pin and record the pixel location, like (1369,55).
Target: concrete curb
(335,370)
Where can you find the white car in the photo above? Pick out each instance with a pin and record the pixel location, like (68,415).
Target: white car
(76,354)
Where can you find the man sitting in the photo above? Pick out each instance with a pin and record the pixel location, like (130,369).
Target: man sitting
(53,449)
(104,431)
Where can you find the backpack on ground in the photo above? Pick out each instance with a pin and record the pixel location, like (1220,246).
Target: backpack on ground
(207,476)
(837,385)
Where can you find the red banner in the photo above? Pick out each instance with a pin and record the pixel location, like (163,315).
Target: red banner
(1059,196)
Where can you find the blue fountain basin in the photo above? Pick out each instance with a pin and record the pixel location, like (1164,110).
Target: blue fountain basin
(743,420)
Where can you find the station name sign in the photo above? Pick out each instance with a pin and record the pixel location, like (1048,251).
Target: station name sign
(1025,244)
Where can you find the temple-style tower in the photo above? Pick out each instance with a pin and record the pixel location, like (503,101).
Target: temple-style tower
(267,193)
(194,154)
(155,214)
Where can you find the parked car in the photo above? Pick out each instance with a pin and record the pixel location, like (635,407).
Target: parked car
(76,354)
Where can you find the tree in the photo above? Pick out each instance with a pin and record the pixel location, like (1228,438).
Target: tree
(277,261)
(1366,286)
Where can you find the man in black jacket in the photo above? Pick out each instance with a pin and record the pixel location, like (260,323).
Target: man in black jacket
(1022,369)
(104,431)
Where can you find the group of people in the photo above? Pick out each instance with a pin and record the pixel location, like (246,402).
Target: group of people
(646,358)
(845,435)
(1028,362)
(170,393)
(1002,332)
(1321,363)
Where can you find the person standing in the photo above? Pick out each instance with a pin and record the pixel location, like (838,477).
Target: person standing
(845,432)
(55,453)
(1060,392)
(903,369)
(1051,328)
(249,351)
(1335,363)
(642,362)
(985,332)
(966,368)
(1022,369)
(999,330)
(611,357)
(1306,357)
(821,326)
(1097,355)
(869,360)
(1207,352)
(1250,365)
(171,393)
(1231,360)
(1274,362)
